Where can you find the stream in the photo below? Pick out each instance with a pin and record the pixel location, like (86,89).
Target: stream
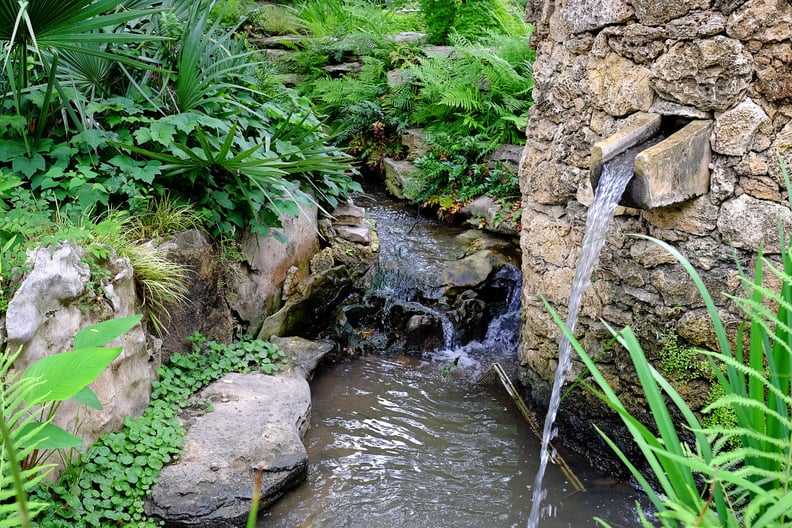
(412,440)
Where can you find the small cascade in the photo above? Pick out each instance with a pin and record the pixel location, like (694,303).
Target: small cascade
(502,336)
(615,176)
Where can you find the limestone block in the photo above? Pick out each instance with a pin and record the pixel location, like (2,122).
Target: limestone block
(735,129)
(550,240)
(619,86)
(781,152)
(774,71)
(637,42)
(588,15)
(761,20)
(674,170)
(710,74)
(697,216)
(658,12)
(747,223)
(723,180)
(256,287)
(398,175)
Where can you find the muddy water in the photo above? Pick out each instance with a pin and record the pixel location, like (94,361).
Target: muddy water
(393,443)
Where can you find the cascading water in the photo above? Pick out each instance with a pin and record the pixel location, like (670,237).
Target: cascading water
(615,177)
(394,442)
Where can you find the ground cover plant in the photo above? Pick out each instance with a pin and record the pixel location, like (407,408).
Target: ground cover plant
(107,486)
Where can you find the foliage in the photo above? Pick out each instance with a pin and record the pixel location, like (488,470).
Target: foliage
(453,173)
(717,481)
(483,88)
(469,19)
(439,17)
(37,33)
(341,18)
(28,402)
(185,108)
(108,485)
(276,19)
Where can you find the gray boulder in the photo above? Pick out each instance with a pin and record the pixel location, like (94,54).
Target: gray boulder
(255,421)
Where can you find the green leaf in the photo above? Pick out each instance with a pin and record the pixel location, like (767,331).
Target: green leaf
(102,333)
(28,166)
(61,376)
(162,132)
(49,436)
(88,398)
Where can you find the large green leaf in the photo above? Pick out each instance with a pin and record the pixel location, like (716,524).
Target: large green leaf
(100,334)
(63,375)
(48,436)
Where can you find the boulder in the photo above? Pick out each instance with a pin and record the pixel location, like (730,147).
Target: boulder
(206,310)
(53,303)
(256,422)
(255,285)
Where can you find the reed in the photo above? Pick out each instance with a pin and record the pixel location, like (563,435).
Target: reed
(733,475)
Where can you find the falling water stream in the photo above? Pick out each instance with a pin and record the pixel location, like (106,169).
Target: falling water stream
(615,177)
(394,442)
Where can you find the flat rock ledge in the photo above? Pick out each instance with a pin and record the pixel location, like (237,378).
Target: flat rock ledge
(254,421)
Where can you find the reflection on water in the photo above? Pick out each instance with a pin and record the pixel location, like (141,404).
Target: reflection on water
(393,443)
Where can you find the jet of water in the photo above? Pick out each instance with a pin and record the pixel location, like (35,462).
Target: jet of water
(611,186)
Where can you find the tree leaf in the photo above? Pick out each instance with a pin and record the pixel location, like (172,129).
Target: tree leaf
(48,436)
(61,376)
(102,333)
(88,398)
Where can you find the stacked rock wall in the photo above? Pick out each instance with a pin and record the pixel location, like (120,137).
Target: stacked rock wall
(598,65)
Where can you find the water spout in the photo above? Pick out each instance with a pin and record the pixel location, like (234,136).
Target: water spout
(600,215)
(673,170)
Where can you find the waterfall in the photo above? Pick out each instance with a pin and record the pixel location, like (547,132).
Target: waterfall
(614,179)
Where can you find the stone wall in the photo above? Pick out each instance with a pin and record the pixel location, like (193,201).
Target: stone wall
(599,65)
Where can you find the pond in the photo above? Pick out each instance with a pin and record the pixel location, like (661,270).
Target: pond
(394,443)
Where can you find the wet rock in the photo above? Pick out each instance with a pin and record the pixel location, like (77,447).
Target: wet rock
(468,272)
(398,174)
(306,312)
